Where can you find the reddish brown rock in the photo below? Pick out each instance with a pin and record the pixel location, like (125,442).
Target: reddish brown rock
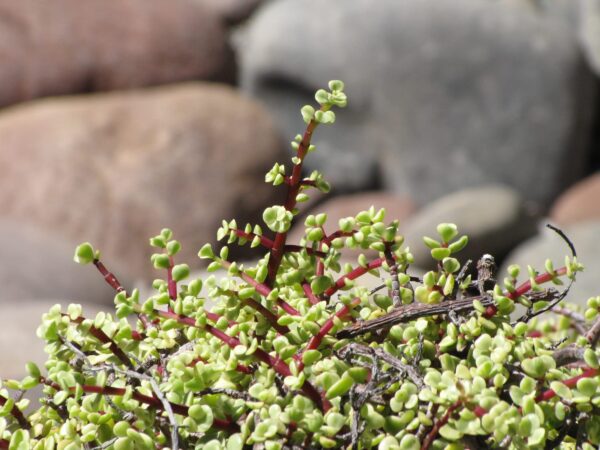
(70,46)
(114,169)
(579,203)
(397,207)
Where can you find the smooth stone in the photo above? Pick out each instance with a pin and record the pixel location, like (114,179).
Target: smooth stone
(495,219)
(114,169)
(535,251)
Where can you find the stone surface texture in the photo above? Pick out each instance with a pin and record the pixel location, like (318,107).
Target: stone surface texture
(443,94)
(39,265)
(494,217)
(69,46)
(114,169)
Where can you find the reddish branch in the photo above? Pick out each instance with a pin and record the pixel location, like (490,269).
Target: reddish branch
(264,290)
(359,271)
(571,382)
(103,337)
(109,277)
(295,183)
(275,363)
(171,283)
(270,316)
(439,424)
(152,401)
(268,243)
(312,298)
(17,414)
(593,334)
(316,340)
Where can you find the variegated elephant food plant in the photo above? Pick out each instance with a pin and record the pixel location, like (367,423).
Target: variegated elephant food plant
(295,351)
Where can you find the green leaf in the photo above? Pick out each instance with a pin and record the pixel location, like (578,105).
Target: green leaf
(308,113)
(459,244)
(180,272)
(447,231)
(341,387)
(19,440)
(321,284)
(431,243)
(161,261)
(173,248)
(84,253)
(440,253)
(203,416)
(206,252)
(336,85)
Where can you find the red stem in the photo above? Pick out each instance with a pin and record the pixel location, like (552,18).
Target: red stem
(359,271)
(171,283)
(294,186)
(4,444)
(271,317)
(525,287)
(109,277)
(571,382)
(316,340)
(268,243)
(17,414)
(146,399)
(312,298)
(264,290)
(103,337)
(274,362)
(439,424)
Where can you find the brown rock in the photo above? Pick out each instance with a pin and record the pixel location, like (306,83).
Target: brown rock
(69,46)
(579,203)
(397,207)
(36,264)
(114,169)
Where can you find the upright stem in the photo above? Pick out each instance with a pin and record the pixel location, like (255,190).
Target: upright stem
(109,277)
(17,414)
(294,185)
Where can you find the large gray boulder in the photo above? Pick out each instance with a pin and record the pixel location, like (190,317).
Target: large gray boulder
(443,94)
(589,31)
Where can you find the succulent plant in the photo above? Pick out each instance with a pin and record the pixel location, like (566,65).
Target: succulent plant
(296,352)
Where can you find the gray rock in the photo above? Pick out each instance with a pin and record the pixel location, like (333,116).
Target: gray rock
(443,94)
(589,32)
(494,217)
(548,245)
(114,169)
(36,264)
(18,341)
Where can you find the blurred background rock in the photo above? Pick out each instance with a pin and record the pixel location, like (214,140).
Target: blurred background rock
(118,118)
